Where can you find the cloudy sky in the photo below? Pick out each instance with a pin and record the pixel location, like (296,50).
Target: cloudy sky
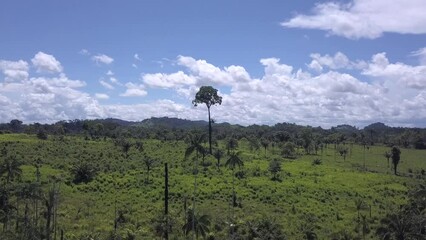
(318,63)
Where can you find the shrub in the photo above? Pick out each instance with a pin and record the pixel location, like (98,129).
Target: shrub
(41,134)
(316,161)
(83,172)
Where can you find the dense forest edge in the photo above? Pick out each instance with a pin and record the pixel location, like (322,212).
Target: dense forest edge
(155,179)
(165,128)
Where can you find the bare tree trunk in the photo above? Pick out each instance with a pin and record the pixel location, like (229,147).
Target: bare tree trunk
(195,193)
(210,133)
(166,200)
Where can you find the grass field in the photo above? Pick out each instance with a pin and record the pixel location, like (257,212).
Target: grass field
(318,196)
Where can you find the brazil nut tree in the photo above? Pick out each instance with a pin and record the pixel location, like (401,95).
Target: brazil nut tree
(207,95)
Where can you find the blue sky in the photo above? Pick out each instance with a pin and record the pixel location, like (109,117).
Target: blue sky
(310,62)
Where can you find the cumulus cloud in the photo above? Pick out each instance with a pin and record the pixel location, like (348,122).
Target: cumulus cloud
(411,76)
(84,52)
(14,70)
(364,18)
(46,63)
(102,58)
(338,61)
(173,80)
(136,57)
(390,92)
(106,85)
(204,71)
(293,95)
(421,54)
(158,108)
(47,99)
(102,96)
(134,90)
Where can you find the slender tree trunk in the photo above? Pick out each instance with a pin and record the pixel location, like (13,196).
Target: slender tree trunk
(55,212)
(166,200)
(195,193)
(364,158)
(233,201)
(210,132)
(17,215)
(48,218)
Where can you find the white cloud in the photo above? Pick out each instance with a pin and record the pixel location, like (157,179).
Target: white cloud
(14,70)
(102,96)
(46,99)
(134,65)
(158,108)
(102,58)
(390,92)
(136,57)
(110,73)
(134,90)
(46,63)
(364,18)
(421,54)
(338,61)
(173,80)
(84,52)
(106,85)
(113,80)
(411,76)
(206,73)
(273,67)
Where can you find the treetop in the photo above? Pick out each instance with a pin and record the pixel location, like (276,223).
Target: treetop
(207,95)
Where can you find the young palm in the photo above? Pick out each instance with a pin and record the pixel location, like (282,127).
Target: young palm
(11,167)
(360,205)
(398,226)
(233,161)
(218,154)
(199,224)
(195,145)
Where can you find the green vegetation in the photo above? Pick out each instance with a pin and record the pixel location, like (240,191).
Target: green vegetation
(81,187)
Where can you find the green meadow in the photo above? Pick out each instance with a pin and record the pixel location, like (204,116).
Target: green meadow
(322,193)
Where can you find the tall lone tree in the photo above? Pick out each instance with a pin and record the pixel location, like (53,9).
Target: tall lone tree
(208,95)
(396,156)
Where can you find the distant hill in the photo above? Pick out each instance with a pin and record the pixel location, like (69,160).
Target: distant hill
(377,127)
(116,121)
(172,123)
(345,129)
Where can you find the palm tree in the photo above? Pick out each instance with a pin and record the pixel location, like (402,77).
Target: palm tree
(195,145)
(360,205)
(396,156)
(387,155)
(199,224)
(218,154)
(6,207)
(363,224)
(265,229)
(265,143)
(399,226)
(149,163)
(11,167)
(233,161)
(231,144)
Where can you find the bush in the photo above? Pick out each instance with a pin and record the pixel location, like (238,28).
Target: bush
(83,172)
(316,161)
(41,134)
